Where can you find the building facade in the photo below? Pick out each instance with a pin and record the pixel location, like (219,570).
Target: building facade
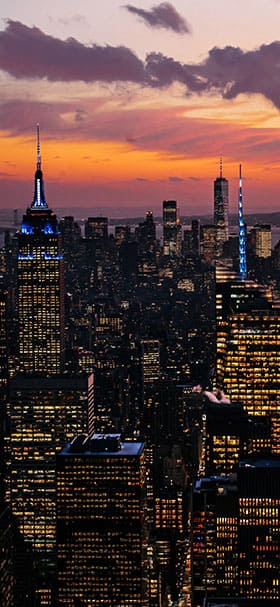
(101,531)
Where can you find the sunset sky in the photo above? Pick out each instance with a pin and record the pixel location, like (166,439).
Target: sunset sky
(137,100)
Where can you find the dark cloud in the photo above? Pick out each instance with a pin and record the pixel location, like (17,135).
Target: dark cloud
(30,53)
(142,179)
(175,179)
(163,15)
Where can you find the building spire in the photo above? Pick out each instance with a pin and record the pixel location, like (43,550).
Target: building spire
(38,147)
(39,200)
(242,236)
(221,166)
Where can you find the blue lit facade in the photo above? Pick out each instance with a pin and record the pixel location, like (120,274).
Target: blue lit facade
(40,285)
(242,233)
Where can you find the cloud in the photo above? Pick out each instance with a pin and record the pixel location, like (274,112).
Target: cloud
(175,179)
(27,52)
(141,179)
(30,53)
(163,15)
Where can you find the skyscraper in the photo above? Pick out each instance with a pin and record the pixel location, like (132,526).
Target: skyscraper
(262,234)
(40,285)
(248,349)
(101,531)
(221,210)
(259,530)
(170,228)
(44,413)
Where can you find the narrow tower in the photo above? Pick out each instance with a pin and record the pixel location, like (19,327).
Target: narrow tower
(242,235)
(221,210)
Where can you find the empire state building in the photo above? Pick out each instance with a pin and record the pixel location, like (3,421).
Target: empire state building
(40,285)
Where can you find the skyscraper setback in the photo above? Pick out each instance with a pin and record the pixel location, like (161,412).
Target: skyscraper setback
(40,285)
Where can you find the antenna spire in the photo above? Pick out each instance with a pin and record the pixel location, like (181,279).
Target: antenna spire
(39,200)
(242,236)
(38,147)
(221,166)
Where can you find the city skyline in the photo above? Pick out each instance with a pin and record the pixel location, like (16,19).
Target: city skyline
(136,102)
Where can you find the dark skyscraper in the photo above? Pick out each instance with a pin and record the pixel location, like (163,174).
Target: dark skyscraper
(221,211)
(40,285)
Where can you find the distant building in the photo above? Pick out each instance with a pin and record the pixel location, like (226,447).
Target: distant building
(101,533)
(262,240)
(97,228)
(172,231)
(221,211)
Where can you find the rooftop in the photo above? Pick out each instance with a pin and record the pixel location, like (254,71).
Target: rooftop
(102,445)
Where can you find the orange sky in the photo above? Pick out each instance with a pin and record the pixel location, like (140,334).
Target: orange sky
(117,143)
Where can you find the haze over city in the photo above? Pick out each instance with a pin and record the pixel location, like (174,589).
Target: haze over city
(136,102)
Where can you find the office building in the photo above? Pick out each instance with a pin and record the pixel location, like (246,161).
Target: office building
(221,211)
(96,228)
(208,242)
(171,233)
(6,564)
(224,437)
(262,240)
(150,361)
(214,538)
(259,529)
(44,413)
(40,285)
(101,532)
(248,350)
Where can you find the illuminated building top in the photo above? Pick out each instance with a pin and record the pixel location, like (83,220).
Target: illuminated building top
(39,200)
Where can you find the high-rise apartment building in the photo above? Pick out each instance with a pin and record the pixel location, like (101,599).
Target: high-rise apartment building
(40,285)
(44,413)
(221,211)
(101,532)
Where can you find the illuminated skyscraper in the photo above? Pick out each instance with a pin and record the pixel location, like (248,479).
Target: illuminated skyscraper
(262,240)
(221,210)
(150,361)
(248,351)
(101,532)
(40,285)
(259,530)
(170,228)
(44,413)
